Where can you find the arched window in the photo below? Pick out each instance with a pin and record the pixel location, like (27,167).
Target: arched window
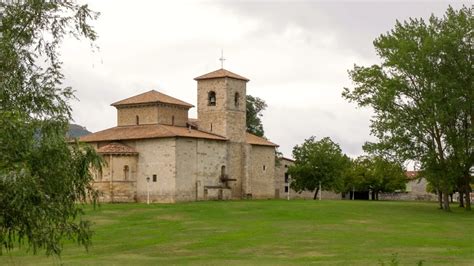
(236,99)
(211,98)
(137,120)
(223,170)
(126,172)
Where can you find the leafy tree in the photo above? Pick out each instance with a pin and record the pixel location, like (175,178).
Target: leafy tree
(255,107)
(384,176)
(422,96)
(317,162)
(42,177)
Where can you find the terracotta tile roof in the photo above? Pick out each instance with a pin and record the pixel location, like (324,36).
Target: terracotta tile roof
(221,73)
(193,122)
(116,148)
(256,140)
(152,97)
(147,132)
(411,174)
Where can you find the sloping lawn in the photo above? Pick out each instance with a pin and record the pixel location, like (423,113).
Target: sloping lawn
(271,233)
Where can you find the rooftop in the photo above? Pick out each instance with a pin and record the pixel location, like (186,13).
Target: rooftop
(152,97)
(116,148)
(256,140)
(147,132)
(221,73)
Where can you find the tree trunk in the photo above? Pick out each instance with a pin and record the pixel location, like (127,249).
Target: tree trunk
(373,194)
(446,202)
(451,198)
(440,199)
(461,198)
(467,194)
(377,195)
(316,193)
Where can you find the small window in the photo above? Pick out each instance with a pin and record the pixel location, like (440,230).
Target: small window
(286,166)
(264,168)
(137,120)
(154,178)
(286,188)
(211,127)
(126,171)
(223,170)
(237,99)
(172,120)
(286,177)
(211,98)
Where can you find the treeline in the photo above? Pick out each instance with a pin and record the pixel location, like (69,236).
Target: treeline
(321,163)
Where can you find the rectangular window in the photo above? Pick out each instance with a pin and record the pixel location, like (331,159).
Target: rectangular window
(264,168)
(154,178)
(286,188)
(286,177)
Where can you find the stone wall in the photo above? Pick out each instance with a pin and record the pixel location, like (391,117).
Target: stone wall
(262,172)
(127,116)
(152,114)
(415,190)
(198,169)
(225,118)
(157,157)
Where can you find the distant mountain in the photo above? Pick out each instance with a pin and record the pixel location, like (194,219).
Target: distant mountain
(76,131)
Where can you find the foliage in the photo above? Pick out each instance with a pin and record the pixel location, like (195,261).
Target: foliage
(317,162)
(42,177)
(422,96)
(255,107)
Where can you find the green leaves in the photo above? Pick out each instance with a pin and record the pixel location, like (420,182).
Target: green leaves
(317,161)
(255,107)
(422,94)
(42,176)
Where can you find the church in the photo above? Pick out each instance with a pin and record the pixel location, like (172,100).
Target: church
(157,153)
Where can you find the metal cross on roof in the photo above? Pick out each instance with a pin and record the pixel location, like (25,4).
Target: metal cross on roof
(222,59)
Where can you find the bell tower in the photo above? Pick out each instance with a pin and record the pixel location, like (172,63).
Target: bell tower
(222,110)
(222,104)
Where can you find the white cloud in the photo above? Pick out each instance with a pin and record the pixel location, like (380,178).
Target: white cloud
(295,54)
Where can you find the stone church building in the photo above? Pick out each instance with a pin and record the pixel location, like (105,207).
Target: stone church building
(157,150)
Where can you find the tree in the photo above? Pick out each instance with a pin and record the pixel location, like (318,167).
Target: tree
(384,176)
(42,177)
(422,96)
(317,162)
(255,107)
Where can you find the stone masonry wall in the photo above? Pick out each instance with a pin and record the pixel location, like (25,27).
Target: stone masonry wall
(156,157)
(199,164)
(262,172)
(152,114)
(126,116)
(225,118)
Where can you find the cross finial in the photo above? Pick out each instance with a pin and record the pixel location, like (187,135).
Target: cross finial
(222,59)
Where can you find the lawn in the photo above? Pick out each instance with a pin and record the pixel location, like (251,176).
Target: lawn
(273,232)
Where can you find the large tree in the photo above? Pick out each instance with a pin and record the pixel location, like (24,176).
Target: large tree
(317,162)
(42,177)
(255,107)
(422,96)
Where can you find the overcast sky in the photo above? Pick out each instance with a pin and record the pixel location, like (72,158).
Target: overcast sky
(295,53)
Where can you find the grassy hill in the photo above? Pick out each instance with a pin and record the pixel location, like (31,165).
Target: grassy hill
(272,233)
(76,131)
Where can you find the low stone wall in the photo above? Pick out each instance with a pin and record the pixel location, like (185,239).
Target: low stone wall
(408,196)
(117,191)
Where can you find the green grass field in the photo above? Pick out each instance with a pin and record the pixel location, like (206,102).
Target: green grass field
(271,233)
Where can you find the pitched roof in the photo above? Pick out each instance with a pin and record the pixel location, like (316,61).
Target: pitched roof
(221,73)
(411,174)
(116,148)
(256,140)
(152,97)
(147,132)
